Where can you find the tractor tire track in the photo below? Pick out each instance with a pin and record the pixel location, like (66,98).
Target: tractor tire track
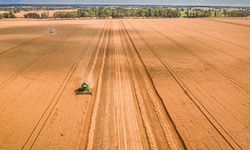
(218,127)
(215,49)
(243,25)
(143,111)
(21,46)
(98,93)
(3,40)
(6,52)
(213,37)
(42,121)
(6,82)
(209,46)
(204,61)
(164,119)
(227,28)
(94,70)
(147,141)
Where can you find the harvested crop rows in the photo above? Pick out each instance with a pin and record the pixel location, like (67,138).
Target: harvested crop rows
(157,84)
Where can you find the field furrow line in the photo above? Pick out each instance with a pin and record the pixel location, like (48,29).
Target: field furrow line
(132,123)
(158,108)
(229,23)
(214,37)
(42,121)
(215,26)
(118,99)
(6,82)
(23,45)
(26,28)
(233,144)
(121,77)
(93,67)
(98,94)
(204,61)
(19,33)
(138,97)
(208,45)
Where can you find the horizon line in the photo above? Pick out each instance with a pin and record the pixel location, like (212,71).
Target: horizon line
(99,4)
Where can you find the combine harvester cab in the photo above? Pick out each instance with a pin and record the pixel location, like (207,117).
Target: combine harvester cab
(84,89)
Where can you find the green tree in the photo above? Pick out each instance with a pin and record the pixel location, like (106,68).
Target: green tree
(62,14)
(11,14)
(147,13)
(156,12)
(188,14)
(114,13)
(1,16)
(86,14)
(79,14)
(6,15)
(68,15)
(143,11)
(91,14)
(56,15)
(128,13)
(133,11)
(95,10)
(108,12)
(45,14)
(151,12)
(161,13)
(177,13)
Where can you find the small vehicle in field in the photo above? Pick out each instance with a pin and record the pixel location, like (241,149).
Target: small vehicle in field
(84,89)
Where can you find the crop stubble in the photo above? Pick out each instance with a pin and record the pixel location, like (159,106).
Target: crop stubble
(157,83)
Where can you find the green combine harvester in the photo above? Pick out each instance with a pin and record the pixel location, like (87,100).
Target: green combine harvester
(84,89)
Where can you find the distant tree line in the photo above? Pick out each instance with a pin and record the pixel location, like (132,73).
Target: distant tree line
(36,15)
(118,12)
(121,12)
(64,14)
(16,9)
(10,14)
(217,13)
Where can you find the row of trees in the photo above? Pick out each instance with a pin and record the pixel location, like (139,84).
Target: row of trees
(63,14)
(10,14)
(120,12)
(36,15)
(217,13)
(31,15)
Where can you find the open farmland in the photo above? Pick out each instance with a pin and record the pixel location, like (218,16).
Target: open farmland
(157,84)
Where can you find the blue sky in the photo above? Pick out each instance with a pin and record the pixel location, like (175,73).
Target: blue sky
(143,2)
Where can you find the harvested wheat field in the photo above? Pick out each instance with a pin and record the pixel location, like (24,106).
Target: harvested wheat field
(156,83)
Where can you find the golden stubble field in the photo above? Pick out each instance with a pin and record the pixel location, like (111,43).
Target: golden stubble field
(157,84)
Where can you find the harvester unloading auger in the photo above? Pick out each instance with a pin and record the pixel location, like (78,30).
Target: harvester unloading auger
(84,89)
